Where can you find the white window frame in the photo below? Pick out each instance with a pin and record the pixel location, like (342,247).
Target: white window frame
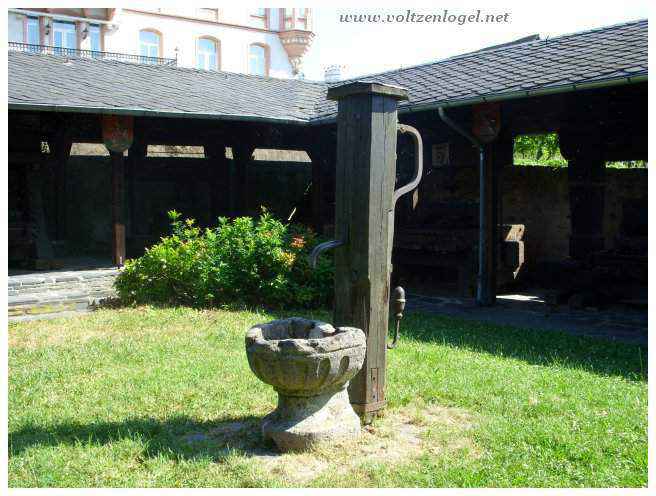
(34,22)
(65,33)
(251,57)
(149,46)
(205,55)
(97,27)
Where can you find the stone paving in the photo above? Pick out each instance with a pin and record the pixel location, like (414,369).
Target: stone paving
(530,310)
(64,292)
(55,293)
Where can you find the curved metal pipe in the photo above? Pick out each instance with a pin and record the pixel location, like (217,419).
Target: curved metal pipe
(419,162)
(314,254)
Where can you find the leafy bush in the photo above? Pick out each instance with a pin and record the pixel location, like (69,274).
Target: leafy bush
(244,260)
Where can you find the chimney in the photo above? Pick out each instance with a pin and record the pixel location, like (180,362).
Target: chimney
(333,73)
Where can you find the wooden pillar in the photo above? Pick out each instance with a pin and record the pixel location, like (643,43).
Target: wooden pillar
(118,135)
(219,173)
(486,128)
(118,208)
(322,153)
(136,155)
(242,154)
(503,158)
(366,164)
(60,148)
(583,143)
(587,190)
(43,252)
(486,288)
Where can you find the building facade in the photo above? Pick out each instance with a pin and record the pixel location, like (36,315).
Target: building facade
(265,41)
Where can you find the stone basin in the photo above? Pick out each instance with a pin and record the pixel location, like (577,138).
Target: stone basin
(309,363)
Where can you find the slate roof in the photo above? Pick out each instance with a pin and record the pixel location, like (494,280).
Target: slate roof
(601,55)
(64,83)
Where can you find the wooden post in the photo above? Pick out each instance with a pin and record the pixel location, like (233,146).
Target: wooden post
(61,150)
(486,128)
(136,155)
(503,157)
(366,163)
(118,209)
(241,154)
(322,154)
(118,135)
(219,173)
(486,292)
(583,143)
(587,190)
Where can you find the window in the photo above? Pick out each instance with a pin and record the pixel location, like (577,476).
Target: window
(149,44)
(257,60)
(301,18)
(288,18)
(64,35)
(94,38)
(259,17)
(207,54)
(32,35)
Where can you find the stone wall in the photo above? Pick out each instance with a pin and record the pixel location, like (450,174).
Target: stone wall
(535,196)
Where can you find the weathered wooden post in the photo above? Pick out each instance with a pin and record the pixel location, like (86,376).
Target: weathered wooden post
(366,165)
(60,147)
(118,134)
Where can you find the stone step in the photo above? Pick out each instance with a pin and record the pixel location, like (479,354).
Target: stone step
(58,293)
(52,278)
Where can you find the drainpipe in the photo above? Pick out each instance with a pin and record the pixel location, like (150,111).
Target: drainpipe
(481,289)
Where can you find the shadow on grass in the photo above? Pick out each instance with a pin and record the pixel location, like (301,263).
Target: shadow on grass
(537,347)
(534,346)
(176,438)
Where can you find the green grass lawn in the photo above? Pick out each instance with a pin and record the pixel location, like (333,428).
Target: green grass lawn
(110,398)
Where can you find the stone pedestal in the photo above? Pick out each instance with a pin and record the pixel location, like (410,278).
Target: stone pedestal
(301,421)
(309,363)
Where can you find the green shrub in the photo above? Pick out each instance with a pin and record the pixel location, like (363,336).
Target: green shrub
(244,260)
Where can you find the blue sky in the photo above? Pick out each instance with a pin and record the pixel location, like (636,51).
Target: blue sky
(370,48)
